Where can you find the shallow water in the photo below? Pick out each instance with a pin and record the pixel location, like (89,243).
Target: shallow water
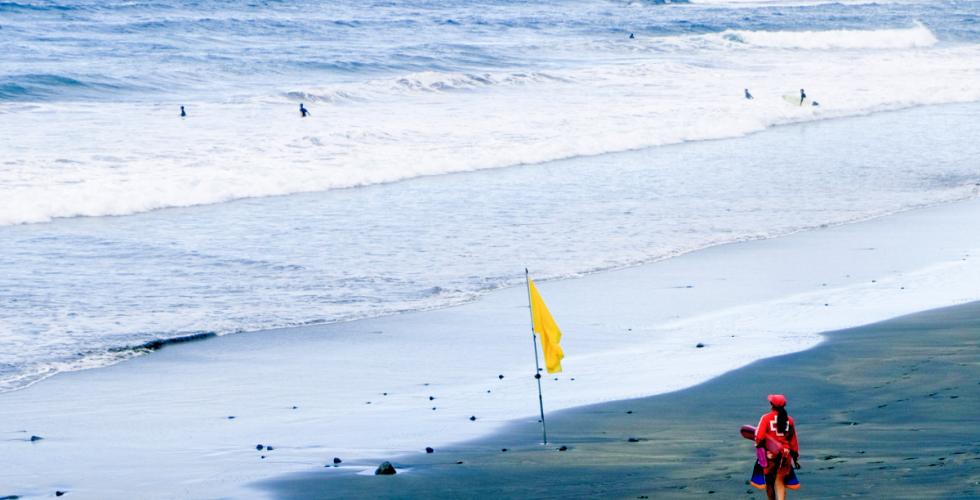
(77,290)
(376,212)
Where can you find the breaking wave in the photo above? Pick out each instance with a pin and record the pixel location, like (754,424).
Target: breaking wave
(909,38)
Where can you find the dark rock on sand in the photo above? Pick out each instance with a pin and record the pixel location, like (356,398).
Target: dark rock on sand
(700,345)
(269,448)
(459,462)
(633,440)
(36,438)
(59,493)
(428,449)
(503,449)
(629,412)
(472,418)
(336,460)
(431,398)
(262,457)
(231,417)
(562,448)
(259,447)
(385,469)
(10,497)
(501,377)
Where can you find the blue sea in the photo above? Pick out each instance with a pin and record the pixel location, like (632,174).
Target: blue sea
(449,145)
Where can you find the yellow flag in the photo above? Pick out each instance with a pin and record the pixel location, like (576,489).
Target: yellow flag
(546,328)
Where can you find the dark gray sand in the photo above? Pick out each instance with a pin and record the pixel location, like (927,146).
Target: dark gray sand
(890,410)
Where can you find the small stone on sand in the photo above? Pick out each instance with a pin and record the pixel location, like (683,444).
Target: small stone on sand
(459,462)
(259,447)
(231,417)
(59,493)
(36,438)
(431,398)
(472,418)
(428,449)
(503,449)
(385,469)
(501,377)
(633,440)
(337,460)
(269,448)
(700,345)
(562,448)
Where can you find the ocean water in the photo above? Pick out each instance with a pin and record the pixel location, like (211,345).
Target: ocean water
(449,145)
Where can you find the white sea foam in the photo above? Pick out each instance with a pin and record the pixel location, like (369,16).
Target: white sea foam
(95,160)
(307,392)
(918,36)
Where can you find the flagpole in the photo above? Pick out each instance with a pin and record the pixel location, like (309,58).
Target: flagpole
(537,366)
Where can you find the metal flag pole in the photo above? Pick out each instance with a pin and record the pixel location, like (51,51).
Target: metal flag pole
(537,366)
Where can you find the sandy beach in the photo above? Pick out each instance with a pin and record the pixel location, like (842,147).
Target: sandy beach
(188,419)
(252,249)
(883,411)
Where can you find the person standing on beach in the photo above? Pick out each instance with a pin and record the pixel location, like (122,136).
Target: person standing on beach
(303,112)
(778,426)
(183,114)
(748,95)
(802,96)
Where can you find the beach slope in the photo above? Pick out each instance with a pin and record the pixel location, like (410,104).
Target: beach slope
(887,410)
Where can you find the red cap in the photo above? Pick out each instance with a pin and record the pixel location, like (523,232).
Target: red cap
(777,399)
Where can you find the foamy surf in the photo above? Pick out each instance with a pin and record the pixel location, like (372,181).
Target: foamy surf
(89,128)
(916,37)
(89,163)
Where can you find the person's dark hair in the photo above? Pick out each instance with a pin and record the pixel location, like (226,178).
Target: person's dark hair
(782,420)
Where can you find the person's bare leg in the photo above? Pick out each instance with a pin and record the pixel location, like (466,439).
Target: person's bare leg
(780,487)
(771,487)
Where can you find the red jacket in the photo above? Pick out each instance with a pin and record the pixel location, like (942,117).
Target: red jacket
(767,428)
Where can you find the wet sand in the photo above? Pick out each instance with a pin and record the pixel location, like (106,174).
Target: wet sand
(890,410)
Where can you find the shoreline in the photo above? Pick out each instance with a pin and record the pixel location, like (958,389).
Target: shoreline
(312,288)
(900,425)
(128,352)
(188,419)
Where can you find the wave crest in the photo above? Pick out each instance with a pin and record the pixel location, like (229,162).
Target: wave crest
(902,38)
(421,82)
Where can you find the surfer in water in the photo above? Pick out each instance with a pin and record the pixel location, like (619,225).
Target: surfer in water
(748,95)
(183,114)
(802,96)
(778,425)
(303,112)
